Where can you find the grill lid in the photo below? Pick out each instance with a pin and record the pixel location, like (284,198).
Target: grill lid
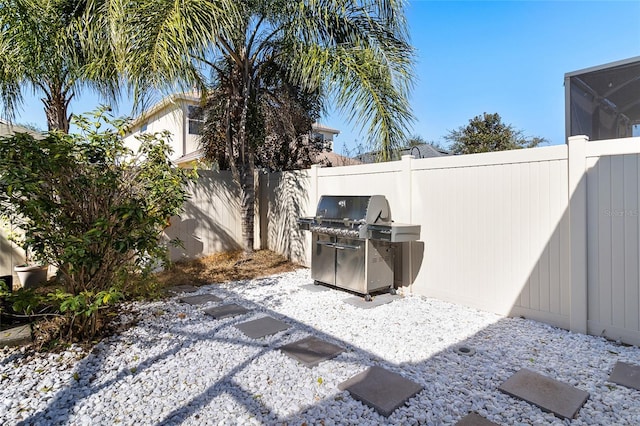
(354,208)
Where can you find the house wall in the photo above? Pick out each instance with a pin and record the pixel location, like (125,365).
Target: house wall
(191,141)
(327,136)
(172,115)
(170,118)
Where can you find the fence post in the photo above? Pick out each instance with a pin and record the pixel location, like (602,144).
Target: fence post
(313,202)
(578,233)
(407,248)
(262,208)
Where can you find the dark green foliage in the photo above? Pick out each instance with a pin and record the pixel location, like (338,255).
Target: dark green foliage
(487,133)
(270,62)
(90,207)
(42,52)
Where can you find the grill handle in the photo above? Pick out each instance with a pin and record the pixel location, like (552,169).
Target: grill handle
(337,246)
(346,247)
(325,243)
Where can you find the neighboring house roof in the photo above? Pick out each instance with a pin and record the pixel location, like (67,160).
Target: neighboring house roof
(418,151)
(335,160)
(425,151)
(189,158)
(7,129)
(318,127)
(164,103)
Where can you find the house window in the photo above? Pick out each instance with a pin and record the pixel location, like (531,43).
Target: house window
(144,127)
(195,118)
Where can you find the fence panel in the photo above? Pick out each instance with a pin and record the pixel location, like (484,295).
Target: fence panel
(211,219)
(496,232)
(613,248)
(549,233)
(284,198)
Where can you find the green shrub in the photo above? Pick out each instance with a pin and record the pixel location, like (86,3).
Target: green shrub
(91,207)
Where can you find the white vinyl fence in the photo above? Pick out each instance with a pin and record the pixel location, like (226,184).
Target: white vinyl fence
(210,222)
(549,233)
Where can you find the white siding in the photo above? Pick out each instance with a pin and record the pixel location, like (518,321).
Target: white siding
(171,119)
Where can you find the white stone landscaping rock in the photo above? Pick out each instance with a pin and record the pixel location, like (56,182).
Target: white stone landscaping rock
(180,366)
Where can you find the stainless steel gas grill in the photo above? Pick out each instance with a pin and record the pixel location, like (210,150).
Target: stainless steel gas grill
(353,240)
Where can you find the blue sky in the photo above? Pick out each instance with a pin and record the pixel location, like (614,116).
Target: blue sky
(508,57)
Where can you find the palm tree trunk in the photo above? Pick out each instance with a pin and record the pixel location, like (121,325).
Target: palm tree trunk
(55,107)
(242,166)
(247,206)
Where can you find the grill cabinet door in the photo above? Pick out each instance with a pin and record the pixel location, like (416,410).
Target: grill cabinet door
(350,264)
(323,260)
(380,262)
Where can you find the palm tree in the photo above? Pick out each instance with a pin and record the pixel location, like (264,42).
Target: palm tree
(354,51)
(40,50)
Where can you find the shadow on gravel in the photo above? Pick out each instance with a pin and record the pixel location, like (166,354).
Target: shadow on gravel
(473,387)
(61,407)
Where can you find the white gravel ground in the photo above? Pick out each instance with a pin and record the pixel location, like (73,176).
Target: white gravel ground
(180,366)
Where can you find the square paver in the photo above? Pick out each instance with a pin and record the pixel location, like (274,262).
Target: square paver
(311,351)
(475,419)
(182,289)
(16,336)
(262,327)
(315,288)
(225,311)
(200,299)
(380,299)
(626,375)
(553,396)
(381,389)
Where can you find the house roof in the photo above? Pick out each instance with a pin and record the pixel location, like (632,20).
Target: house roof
(322,128)
(425,150)
(189,157)
(7,129)
(164,103)
(336,160)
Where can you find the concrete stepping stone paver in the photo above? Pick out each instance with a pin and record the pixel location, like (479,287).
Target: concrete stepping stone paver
(225,311)
(315,288)
(381,389)
(16,336)
(626,375)
(475,419)
(200,299)
(380,299)
(182,289)
(262,327)
(550,395)
(311,351)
